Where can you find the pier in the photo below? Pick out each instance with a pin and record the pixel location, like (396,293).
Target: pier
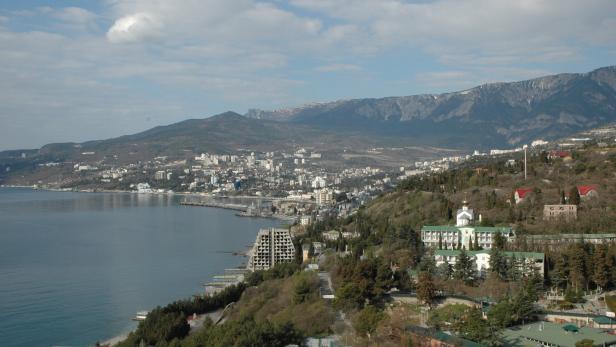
(236,207)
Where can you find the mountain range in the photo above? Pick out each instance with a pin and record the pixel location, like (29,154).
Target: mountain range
(496,115)
(489,115)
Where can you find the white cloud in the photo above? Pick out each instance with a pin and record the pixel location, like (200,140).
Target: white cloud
(134,28)
(163,59)
(516,29)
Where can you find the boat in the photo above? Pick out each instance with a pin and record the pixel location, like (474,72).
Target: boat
(141,315)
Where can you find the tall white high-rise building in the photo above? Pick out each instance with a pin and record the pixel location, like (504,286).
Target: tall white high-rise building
(324,196)
(272,246)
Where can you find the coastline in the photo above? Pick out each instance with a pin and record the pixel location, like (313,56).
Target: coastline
(115,340)
(235,207)
(202,195)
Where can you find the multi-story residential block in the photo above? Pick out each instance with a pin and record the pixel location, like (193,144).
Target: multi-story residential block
(463,233)
(272,246)
(160,175)
(528,262)
(559,212)
(324,196)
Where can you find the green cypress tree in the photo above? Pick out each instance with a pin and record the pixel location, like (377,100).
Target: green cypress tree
(574,196)
(601,274)
(576,256)
(498,263)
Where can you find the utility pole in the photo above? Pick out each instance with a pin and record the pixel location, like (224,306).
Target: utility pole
(525,171)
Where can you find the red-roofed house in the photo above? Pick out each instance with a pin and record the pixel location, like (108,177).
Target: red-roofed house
(588,191)
(520,194)
(559,154)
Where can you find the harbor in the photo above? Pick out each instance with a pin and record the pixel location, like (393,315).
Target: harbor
(252,210)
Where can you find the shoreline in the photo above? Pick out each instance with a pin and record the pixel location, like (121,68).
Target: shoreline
(202,195)
(234,207)
(115,340)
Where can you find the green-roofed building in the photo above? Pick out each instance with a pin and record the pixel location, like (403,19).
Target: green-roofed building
(555,335)
(560,240)
(528,261)
(421,336)
(463,233)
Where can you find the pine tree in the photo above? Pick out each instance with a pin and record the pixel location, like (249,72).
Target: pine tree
(476,245)
(558,276)
(464,269)
(499,241)
(513,272)
(498,263)
(440,241)
(427,262)
(444,271)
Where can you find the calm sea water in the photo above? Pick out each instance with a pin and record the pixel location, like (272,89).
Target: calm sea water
(76,267)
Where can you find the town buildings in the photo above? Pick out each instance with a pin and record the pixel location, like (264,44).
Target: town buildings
(588,191)
(324,196)
(520,194)
(272,246)
(463,234)
(559,212)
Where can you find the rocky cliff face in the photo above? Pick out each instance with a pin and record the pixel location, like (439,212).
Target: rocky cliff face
(497,114)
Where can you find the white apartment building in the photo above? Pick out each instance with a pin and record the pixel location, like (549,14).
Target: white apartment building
(318,182)
(160,175)
(324,196)
(272,246)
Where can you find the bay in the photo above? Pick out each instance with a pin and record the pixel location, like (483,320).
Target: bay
(76,267)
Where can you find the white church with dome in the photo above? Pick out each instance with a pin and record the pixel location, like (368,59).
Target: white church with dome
(464,233)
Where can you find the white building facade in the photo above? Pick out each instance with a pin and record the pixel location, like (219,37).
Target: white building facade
(272,246)
(463,234)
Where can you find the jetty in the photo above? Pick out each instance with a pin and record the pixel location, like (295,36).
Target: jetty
(230,277)
(236,207)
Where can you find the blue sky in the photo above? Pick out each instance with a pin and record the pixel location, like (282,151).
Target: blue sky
(82,70)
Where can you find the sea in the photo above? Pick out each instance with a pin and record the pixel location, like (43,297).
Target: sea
(76,267)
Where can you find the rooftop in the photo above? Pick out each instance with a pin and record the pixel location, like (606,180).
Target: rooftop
(563,335)
(455,228)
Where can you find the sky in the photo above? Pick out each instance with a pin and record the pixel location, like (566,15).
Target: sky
(83,70)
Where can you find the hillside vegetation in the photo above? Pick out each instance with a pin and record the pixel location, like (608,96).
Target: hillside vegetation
(295,299)
(489,189)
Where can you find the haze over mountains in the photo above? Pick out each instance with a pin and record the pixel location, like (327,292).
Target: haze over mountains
(497,115)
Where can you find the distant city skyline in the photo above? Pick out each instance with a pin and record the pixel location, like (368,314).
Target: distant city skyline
(77,70)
